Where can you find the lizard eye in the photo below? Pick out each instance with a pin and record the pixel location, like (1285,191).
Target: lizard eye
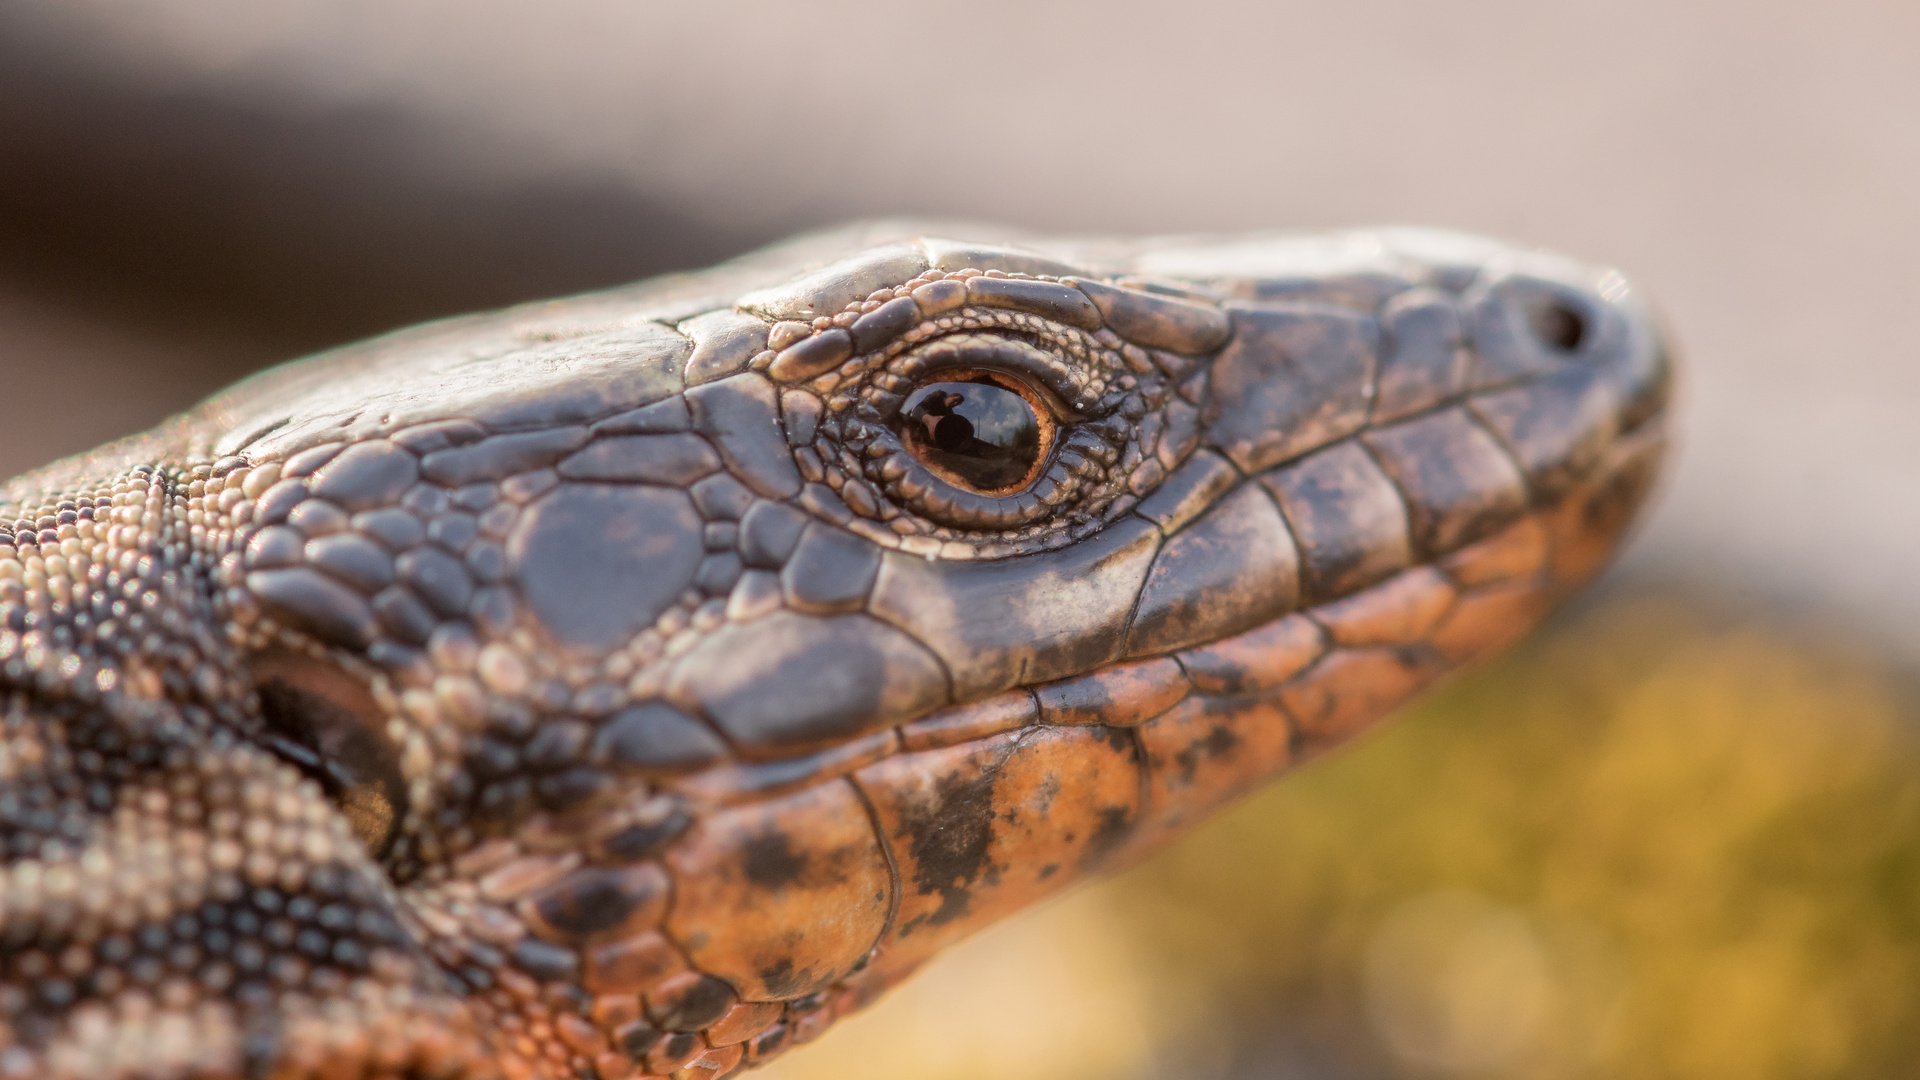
(983,431)
(327,724)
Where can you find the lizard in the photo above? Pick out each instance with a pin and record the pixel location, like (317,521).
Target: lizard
(630,685)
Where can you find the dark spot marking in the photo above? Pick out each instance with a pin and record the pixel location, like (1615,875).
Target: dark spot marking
(1414,656)
(950,838)
(1217,743)
(703,1003)
(769,1042)
(772,863)
(1116,824)
(1117,739)
(781,979)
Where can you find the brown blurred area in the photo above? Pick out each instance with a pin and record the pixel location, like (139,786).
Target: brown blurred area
(192,189)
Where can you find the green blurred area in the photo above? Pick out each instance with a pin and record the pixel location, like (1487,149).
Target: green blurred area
(1655,841)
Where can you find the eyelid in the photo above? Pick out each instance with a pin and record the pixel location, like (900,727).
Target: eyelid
(1046,405)
(1049,376)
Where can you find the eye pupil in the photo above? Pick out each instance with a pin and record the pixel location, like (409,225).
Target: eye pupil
(977,431)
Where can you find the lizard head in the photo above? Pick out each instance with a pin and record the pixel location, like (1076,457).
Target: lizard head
(632,684)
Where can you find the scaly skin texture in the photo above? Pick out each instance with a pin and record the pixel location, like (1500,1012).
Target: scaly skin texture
(600,688)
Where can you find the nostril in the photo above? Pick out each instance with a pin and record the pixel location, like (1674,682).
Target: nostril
(1558,324)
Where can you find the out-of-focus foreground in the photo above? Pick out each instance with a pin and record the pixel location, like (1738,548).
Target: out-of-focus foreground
(1677,835)
(1656,842)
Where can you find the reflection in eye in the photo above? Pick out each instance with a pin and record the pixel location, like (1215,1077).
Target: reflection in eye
(981,430)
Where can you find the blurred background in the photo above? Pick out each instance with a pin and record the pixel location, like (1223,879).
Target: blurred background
(1676,835)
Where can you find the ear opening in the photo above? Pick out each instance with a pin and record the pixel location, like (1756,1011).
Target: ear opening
(326,722)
